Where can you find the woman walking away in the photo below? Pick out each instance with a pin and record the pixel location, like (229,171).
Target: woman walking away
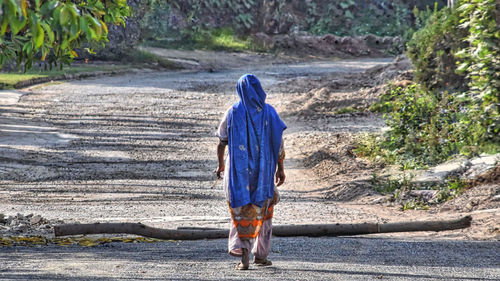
(253,132)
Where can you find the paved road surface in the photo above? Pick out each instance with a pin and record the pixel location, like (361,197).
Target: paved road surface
(294,259)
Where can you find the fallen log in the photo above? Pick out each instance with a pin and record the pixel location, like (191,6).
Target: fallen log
(138,229)
(316,230)
(311,230)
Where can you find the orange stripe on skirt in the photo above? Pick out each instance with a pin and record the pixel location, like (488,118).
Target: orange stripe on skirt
(248,219)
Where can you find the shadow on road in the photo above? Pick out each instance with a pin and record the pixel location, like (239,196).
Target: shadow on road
(294,258)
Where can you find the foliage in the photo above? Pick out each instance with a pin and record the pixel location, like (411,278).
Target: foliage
(451,189)
(220,39)
(185,18)
(214,25)
(431,51)
(401,188)
(348,18)
(50,30)
(480,61)
(426,128)
(391,185)
(442,116)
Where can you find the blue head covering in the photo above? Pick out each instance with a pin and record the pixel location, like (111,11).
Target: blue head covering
(254,138)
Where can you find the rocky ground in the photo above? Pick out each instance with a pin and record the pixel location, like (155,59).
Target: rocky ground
(140,147)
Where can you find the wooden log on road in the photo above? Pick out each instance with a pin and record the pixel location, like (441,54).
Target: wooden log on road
(311,230)
(316,230)
(138,229)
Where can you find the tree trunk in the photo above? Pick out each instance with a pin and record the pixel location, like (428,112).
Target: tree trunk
(312,230)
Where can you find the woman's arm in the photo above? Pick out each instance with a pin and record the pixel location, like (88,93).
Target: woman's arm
(280,172)
(221,148)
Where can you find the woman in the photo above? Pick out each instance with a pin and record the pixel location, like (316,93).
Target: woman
(253,132)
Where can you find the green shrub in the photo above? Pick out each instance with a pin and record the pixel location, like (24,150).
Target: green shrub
(480,61)
(219,39)
(348,18)
(432,48)
(443,115)
(426,128)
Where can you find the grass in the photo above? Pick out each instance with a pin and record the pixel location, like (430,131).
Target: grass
(136,57)
(8,80)
(224,39)
(401,187)
(219,39)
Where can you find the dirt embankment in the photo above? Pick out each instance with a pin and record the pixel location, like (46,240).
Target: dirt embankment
(344,92)
(332,46)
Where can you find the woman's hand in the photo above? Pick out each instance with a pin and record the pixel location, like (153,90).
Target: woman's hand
(280,176)
(219,171)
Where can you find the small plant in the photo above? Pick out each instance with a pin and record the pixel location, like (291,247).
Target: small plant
(396,186)
(451,189)
(414,205)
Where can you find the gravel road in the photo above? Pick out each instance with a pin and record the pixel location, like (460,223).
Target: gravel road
(140,148)
(294,259)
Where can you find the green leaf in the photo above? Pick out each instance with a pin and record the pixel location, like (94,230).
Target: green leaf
(73,10)
(49,32)
(349,15)
(74,32)
(64,16)
(104,27)
(97,26)
(83,24)
(344,5)
(28,47)
(16,25)
(39,36)
(64,44)
(48,7)
(3,28)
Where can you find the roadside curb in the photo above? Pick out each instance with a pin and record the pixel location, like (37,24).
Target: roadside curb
(41,80)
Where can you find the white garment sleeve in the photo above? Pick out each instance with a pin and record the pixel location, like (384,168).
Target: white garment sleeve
(222,130)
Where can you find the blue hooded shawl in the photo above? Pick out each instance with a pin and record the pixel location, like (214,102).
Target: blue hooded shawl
(254,138)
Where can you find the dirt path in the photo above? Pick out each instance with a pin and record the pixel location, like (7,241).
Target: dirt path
(140,147)
(135,147)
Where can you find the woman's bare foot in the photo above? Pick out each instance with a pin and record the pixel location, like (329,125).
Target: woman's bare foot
(245,260)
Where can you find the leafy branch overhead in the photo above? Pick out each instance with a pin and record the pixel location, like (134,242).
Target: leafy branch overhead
(50,31)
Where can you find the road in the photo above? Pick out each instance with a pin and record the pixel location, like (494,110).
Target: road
(294,259)
(140,147)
